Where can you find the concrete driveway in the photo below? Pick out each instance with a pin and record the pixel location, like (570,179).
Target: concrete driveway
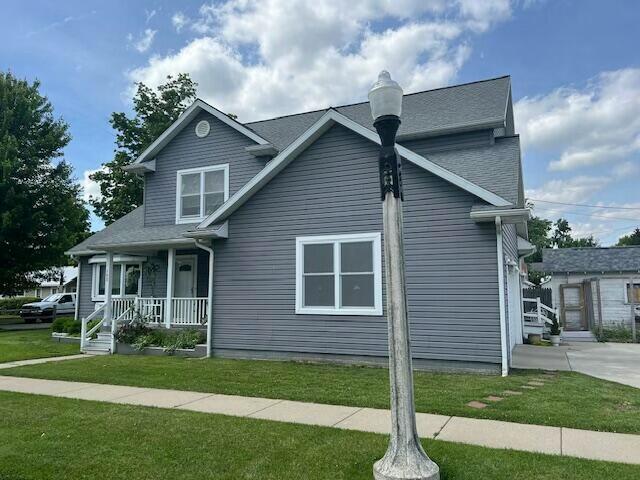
(617,362)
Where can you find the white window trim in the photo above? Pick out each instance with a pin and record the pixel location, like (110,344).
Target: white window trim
(376,310)
(95,281)
(201,170)
(636,283)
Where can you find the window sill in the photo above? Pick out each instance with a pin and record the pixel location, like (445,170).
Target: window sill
(182,221)
(370,312)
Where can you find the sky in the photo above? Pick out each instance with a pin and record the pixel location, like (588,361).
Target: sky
(574,64)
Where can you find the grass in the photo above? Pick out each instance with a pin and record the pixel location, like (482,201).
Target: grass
(10,319)
(26,344)
(40,438)
(569,399)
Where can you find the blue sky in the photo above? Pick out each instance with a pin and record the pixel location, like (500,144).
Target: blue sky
(574,66)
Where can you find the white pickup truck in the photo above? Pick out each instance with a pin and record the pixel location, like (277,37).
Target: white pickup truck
(56,305)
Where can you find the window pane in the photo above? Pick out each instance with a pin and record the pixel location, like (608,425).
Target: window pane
(356,257)
(115,280)
(319,291)
(191,206)
(101,270)
(636,293)
(214,181)
(190,184)
(357,291)
(318,258)
(212,201)
(131,278)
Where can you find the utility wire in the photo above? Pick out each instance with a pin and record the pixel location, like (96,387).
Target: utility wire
(560,214)
(585,205)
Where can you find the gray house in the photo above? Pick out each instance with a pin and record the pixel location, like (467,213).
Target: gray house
(594,287)
(269,233)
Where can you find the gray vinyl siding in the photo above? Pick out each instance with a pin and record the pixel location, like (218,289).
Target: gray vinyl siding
(223,145)
(86,305)
(509,251)
(332,188)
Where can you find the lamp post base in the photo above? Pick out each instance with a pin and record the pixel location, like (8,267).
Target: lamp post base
(412,466)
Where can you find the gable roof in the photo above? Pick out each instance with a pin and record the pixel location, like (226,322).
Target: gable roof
(591,259)
(457,108)
(184,119)
(323,124)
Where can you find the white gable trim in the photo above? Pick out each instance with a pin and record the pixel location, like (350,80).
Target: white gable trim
(182,121)
(331,117)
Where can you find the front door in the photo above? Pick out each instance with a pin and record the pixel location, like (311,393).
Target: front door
(185,277)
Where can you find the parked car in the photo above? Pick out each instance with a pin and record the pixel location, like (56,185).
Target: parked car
(58,304)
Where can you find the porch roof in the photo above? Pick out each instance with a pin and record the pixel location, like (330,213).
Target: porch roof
(130,232)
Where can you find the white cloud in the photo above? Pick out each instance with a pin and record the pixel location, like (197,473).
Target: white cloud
(576,190)
(149,14)
(260,59)
(90,189)
(179,21)
(599,124)
(144,41)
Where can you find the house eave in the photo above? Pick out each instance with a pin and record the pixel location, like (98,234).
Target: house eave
(144,167)
(461,128)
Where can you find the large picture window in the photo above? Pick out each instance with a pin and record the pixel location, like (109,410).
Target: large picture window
(339,275)
(127,278)
(200,192)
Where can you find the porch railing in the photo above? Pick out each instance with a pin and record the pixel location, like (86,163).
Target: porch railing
(184,311)
(537,312)
(189,311)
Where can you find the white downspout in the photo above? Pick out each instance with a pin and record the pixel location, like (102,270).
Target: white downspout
(79,259)
(503,321)
(200,244)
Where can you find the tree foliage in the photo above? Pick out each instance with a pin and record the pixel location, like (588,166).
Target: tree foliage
(41,209)
(631,239)
(155,111)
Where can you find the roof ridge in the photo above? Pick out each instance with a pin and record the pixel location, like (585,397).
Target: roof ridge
(361,103)
(610,247)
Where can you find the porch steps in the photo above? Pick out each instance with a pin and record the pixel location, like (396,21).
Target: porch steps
(573,337)
(100,345)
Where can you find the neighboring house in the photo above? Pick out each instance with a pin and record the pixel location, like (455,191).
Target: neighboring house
(593,286)
(66,284)
(291,207)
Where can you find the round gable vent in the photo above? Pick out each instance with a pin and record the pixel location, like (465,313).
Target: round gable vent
(203,128)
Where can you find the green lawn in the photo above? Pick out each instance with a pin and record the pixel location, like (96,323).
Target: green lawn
(10,319)
(26,344)
(54,438)
(569,399)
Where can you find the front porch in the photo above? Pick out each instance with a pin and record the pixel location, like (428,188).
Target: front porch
(169,288)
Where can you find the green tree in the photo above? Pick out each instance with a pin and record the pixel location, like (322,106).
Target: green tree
(562,237)
(539,229)
(631,239)
(41,209)
(154,112)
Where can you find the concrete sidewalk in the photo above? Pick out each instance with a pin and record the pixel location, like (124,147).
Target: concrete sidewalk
(36,361)
(613,447)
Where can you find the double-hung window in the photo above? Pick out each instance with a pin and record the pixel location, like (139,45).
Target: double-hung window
(632,293)
(125,282)
(339,275)
(200,191)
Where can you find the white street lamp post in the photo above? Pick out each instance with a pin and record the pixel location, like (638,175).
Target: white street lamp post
(405,458)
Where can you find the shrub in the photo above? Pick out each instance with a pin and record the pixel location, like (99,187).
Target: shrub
(66,325)
(182,339)
(129,332)
(8,305)
(619,333)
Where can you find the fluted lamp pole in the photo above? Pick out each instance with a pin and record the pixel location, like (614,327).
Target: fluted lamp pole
(405,457)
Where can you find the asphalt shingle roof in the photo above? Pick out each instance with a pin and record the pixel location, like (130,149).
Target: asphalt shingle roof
(130,229)
(432,111)
(591,259)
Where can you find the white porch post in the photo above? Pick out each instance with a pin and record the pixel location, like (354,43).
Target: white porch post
(108,275)
(168,309)
(204,247)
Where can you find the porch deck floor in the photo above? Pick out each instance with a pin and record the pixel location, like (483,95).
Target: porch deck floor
(614,447)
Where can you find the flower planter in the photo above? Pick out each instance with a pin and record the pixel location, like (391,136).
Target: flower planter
(64,338)
(126,349)
(555,340)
